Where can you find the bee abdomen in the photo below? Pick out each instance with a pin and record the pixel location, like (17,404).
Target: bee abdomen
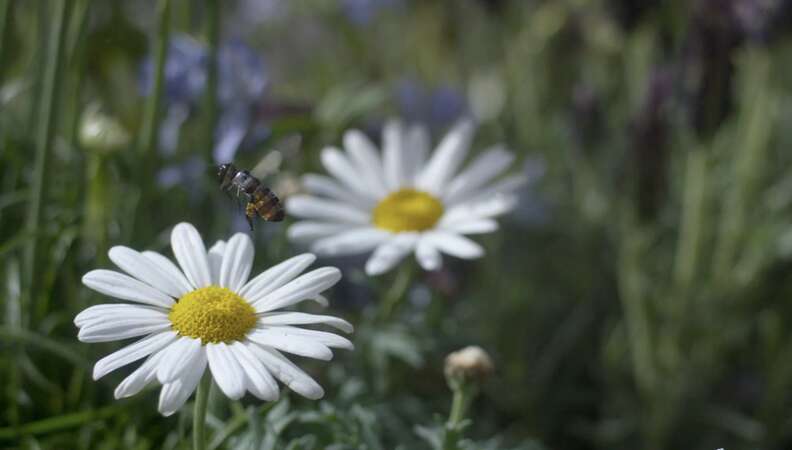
(267,204)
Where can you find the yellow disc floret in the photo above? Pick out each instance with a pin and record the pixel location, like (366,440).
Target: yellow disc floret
(212,314)
(407,210)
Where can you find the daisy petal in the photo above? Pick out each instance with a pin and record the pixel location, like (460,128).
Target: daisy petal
(226,370)
(140,267)
(326,186)
(415,150)
(259,381)
(484,209)
(125,287)
(166,266)
(329,339)
(364,155)
(191,254)
(275,277)
(304,287)
(338,165)
(141,377)
(132,353)
(454,244)
(298,318)
(110,311)
(487,166)
(447,158)
(121,328)
(427,255)
(357,240)
(287,372)
(393,150)
(390,252)
(476,226)
(308,231)
(175,394)
(319,208)
(178,357)
(281,339)
(237,262)
(215,258)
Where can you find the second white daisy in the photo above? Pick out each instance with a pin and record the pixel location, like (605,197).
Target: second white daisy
(404,201)
(207,313)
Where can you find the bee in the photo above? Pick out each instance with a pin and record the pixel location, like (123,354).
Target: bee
(261,201)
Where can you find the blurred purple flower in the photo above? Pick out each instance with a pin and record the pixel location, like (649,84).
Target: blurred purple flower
(436,107)
(242,82)
(189,172)
(363,12)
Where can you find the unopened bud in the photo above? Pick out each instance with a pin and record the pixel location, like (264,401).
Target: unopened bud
(470,363)
(101,133)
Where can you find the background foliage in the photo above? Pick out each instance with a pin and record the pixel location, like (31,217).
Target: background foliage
(638,298)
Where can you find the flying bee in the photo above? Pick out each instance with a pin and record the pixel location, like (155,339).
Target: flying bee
(261,201)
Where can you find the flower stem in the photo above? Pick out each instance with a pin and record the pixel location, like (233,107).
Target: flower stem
(151,115)
(210,99)
(398,291)
(199,413)
(45,135)
(463,394)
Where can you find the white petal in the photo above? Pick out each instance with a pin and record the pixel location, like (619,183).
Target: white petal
(454,244)
(275,277)
(301,288)
(141,377)
(427,255)
(121,328)
(132,353)
(390,252)
(475,226)
(281,339)
(237,262)
(298,318)
(125,287)
(319,208)
(482,209)
(178,357)
(110,311)
(416,148)
(173,395)
(305,231)
(140,267)
(338,165)
(356,240)
(487,166)
(286,371)
(191,254)
(364,155)
(323,337)
(259,381)
(226,370)
(325,186)
(446,158)
(166,266)
(393,154)
(215,258)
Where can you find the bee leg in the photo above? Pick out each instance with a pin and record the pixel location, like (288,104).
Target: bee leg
(250,213)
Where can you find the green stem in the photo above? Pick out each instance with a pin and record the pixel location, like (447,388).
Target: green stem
(150,129)
(463,393)
(398,291)
(59,423)
(687,252)
(5,28)
(210,99)
(45,135)
(199,413)
(458,408)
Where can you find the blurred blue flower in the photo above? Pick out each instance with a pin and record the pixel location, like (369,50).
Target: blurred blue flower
(363,12)
(242,82)
(437,107)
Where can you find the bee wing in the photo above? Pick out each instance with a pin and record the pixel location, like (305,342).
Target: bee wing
(284,148)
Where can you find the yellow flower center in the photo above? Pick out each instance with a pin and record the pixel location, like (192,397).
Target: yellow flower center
(212,314)
(407,210)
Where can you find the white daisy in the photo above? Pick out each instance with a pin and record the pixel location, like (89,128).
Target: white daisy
(207,313)
(404,201)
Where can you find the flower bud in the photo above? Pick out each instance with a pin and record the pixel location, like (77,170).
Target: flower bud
(470,363)
(101,133)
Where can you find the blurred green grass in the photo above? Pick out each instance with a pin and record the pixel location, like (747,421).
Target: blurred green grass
(637,299)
